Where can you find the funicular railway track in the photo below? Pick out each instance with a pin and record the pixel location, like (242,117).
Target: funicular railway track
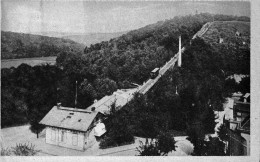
(143,89)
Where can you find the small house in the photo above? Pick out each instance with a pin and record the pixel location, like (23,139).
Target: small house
(80,128)
(246,97)
(238,34)
(221,40)
(72,128)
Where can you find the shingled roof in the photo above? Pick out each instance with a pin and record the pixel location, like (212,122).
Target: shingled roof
(69,118)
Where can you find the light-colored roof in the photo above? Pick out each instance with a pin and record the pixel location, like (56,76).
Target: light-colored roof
(69,118)
(154,70)
(100,102)
(103,105)
(247,95)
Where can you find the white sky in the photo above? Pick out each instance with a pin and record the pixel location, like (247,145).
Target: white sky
(101,17)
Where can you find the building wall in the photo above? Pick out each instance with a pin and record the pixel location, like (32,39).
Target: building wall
(237,144)
(90,139)
(247,138)
(65,138)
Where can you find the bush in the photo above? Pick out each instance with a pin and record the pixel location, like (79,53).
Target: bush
(5,151)
(166,143)
(111,141)
(107,142)
(20,150)
(149,148)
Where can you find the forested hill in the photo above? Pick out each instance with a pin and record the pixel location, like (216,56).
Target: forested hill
(232,41)
(226,30)
(20,45)
(133,55)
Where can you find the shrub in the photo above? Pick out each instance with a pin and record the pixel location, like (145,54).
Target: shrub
(107,142)
(166,143)
(149,148)
(20,150)
(24,150)
(5,151)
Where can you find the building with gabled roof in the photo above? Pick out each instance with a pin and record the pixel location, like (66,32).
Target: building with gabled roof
(71,127)
(77,128)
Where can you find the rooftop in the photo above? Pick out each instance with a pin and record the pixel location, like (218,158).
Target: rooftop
(156,69)
(69,118)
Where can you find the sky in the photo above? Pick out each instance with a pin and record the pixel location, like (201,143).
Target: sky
(34,16)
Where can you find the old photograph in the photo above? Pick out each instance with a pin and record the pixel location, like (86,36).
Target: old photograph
(126,78)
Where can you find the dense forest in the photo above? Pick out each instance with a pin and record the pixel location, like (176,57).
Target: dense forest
(183,96)
(20,45)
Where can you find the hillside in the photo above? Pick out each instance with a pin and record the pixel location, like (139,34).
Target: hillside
(231,39)
(227,31)
(133,55)
(92,38)
(20,45)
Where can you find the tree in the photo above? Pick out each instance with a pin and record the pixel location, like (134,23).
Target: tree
(223,133)
(105,86)
(118,129)
(161,146)
(166,143)
(214,147)
(196,136)
(244,85)
(87,94)
(209,121)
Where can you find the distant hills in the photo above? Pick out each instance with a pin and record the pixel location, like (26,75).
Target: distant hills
(83,38)
(133,55)
(20,45)
(93,38)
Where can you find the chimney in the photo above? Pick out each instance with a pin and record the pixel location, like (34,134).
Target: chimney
(58,105)
(179,60)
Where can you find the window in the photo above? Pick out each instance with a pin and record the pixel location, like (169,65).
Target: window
(53,134)
(63,136)
(75,139)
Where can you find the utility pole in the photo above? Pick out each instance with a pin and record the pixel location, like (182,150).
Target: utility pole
(76,95)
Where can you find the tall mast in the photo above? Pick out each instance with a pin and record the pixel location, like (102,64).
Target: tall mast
(179,60)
